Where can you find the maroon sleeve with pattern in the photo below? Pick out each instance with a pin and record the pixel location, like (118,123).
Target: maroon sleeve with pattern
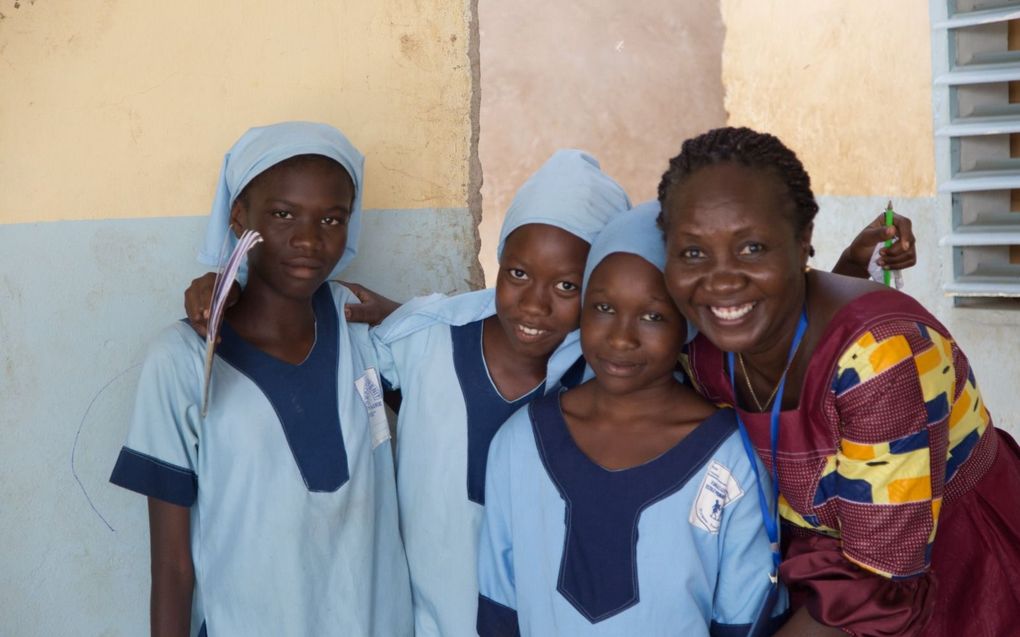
(894,432)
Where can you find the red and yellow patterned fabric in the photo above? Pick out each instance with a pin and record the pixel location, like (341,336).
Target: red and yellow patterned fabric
(890,431)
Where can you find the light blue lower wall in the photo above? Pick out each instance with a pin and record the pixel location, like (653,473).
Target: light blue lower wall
(990,338)
(78,303)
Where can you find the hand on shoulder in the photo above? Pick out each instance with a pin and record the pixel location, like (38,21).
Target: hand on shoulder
(373,307)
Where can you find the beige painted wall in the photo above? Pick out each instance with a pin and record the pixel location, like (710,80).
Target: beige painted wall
(124,109)
(626,81)
(846,84)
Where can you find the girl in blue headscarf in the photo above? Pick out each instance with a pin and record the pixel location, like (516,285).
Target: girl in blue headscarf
(465,363)
(626,505)
(275,513)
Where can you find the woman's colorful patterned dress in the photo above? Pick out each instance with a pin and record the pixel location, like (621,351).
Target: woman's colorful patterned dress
(900,500)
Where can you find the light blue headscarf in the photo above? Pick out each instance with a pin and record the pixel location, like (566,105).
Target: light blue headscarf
(638,233)
(635,232)
(260,149)
(569,191)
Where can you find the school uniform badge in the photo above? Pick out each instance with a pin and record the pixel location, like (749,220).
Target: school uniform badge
(718,490)
(370,390)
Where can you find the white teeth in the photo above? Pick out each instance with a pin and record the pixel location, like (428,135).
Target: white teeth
(530,331)
(732,313)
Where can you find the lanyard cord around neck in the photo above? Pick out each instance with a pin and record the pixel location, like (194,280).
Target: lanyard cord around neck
(771,518)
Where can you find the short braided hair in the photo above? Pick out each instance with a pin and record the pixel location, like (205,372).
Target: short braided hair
(748,148)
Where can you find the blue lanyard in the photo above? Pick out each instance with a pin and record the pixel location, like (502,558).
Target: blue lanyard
(771,518)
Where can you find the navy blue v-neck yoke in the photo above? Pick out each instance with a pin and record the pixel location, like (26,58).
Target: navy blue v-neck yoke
(304,396)
(486,408)
(598,568)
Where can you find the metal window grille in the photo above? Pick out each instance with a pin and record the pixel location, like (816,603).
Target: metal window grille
(976,99)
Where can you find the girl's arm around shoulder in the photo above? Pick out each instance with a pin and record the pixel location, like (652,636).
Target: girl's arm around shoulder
(402,339)
(173,573)
(410,336)
(425,311)
(370,307)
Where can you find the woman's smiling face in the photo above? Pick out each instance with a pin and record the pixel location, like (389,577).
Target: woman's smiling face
(735,262)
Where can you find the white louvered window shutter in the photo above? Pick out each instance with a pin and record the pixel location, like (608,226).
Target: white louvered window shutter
(976,99)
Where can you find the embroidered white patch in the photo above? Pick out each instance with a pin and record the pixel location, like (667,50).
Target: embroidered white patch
(370,390)
(718,490)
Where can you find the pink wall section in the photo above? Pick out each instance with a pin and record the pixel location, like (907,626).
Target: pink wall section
(625,81)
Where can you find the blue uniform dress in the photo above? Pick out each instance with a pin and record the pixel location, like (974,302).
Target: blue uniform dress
(450,410)
(431,349)
(674,546)
(289,479)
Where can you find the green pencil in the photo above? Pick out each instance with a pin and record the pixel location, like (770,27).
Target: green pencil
(886,274)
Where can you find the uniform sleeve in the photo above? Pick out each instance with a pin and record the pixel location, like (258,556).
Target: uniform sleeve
(388,369)
(746,563)
(160,454)
(393,337)
(497,596)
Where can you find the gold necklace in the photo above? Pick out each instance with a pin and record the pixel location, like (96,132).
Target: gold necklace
(772,396)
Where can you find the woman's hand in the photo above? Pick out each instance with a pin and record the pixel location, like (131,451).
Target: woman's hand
(198,300)
(373,309)
(901,255)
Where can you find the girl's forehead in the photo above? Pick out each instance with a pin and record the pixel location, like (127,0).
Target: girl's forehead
(302,167)
(625,275)
(536,239)
(626,264)
(311,165)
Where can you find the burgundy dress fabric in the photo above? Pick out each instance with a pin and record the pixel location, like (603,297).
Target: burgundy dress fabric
(942,560)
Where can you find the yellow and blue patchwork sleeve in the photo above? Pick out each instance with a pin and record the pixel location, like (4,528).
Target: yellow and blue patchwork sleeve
(909,414)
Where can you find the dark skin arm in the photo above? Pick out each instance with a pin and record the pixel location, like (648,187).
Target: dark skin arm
(373,309)
(393,398)
(173,574)
(801,624)
(198,300)
(901,255)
